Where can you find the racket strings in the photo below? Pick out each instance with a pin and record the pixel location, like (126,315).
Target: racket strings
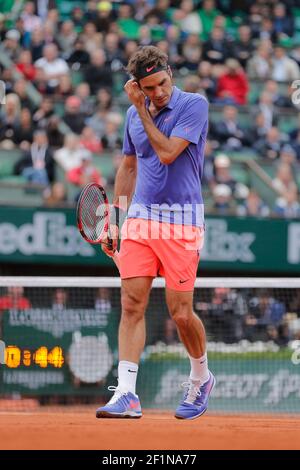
(94,214)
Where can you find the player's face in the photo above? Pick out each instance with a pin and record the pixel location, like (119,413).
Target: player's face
(158,88)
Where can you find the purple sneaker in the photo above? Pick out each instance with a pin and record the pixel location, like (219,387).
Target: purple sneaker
(121,405)
(195,400)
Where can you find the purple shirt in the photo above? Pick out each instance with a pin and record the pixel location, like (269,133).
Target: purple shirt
(169,193)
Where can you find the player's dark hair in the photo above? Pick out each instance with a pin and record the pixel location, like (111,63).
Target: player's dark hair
(146,56)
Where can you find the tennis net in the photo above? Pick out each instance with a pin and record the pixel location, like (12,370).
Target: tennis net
(59,343)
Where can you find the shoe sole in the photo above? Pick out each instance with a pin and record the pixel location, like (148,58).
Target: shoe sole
(203,411)
(107,415)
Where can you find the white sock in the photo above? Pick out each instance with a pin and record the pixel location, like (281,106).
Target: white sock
(127,375)
(199,369)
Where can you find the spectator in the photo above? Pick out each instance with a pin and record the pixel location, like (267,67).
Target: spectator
(259,66)
(288,206)
(31,20)
(260,128)
(279,335)
(263,311)
(37,44)
(187,19)
(78,57)
(77,16)
(98,74)
(44,113)
(11,46)
(129,49)
(228,131)
(90,141)
(92,40)
(288,155)
(3,29)
(223,201)
(24,65)
(266,31)
(97,121)
(270,146)
(14,298)
(52,66)
(73,117)
(173,38)
(37,165)
(278,99)
(224,314)
(103,17)
(253,206)
(60,300)
(296,144)
(85,173)
(56,195)
(111,139)
(65,87)
(232,87)
(103,301)
(128,26)
(70,155)
(222,172)
(20,89)
(208,14)
(243,48)
(42,7)
(216,50)
(191,52)
(112,50)
(283,23)
(284,181)
(55,136)
(208,83)
(104,99)
(192,84)
(87,101)
(9,119)
(23,132)
(267,108)
(284,69)
(66,38)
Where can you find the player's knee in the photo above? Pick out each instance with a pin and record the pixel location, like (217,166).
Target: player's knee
(181,314)
(133,307)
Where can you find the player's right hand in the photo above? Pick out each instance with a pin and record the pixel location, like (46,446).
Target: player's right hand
(114,236)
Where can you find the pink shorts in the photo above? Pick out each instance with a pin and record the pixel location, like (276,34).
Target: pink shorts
(151,248)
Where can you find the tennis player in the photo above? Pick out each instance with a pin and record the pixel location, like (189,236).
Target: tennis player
(163,148)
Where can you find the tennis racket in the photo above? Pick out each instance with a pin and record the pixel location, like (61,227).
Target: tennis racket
(93,217)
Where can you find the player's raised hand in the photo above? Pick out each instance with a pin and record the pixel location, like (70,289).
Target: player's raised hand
(134,93)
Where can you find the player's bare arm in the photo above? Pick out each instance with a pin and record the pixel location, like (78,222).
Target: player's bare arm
(167,149)
(124,187)
(125,181)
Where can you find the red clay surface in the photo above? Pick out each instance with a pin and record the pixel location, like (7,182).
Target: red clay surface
(81,430)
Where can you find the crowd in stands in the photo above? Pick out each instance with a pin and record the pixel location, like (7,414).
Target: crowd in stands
(64,75)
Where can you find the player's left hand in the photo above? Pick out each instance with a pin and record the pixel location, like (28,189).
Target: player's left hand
(135,94)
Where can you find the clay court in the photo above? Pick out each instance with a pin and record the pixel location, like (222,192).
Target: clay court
(71,429)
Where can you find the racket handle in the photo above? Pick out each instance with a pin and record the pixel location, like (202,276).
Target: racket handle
(115,256)
(110,244)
